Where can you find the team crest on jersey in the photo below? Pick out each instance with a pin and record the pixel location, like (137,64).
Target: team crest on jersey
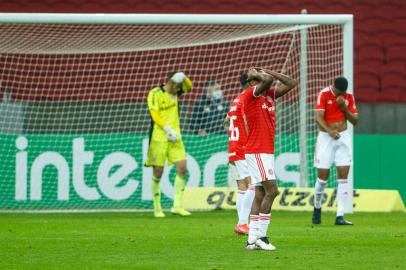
(269,108)
(270,171)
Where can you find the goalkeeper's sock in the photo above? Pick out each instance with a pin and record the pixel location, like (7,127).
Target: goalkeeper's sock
(239,202)
(254,227)
(318,192)
(247,204)
(264,220)
(156,193)
(179,185)
(343,191)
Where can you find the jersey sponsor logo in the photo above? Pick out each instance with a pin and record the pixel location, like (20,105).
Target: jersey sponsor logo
(232,154)
(330,102)
(269,108)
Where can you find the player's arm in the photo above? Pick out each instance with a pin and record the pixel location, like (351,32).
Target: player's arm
(184,82)
(286,83)
(154,112)
(187,85)
(350,116)
(324,126)
(226,123)
(265,80)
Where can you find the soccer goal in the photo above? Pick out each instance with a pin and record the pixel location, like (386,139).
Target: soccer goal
(74,121)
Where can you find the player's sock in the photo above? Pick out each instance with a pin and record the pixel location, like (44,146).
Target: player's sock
(156,193)
(254,227)
(318,192)
(264,220)
(247,204)
(239,202)
(343,191)
(179,186)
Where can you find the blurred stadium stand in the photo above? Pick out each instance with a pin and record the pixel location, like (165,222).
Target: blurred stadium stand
(380,43)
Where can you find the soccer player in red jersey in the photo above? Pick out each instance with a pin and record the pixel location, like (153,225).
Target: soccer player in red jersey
(259,108)
(238,168)
(334,106)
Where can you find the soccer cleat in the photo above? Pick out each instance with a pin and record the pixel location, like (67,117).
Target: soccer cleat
(159,214)
(341,221)
(263,243)
(180,211)
(250,247)
(316,219)
(241,229)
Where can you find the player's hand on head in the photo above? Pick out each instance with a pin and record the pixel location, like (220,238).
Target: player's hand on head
(178,77)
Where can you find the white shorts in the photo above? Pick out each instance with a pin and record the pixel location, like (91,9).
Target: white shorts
(329,151)
(261,167)
(238,170)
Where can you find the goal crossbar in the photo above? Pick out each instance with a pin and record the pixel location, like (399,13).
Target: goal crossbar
(236,19)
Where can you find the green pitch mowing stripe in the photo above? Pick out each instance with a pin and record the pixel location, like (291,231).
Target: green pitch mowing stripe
(202,241)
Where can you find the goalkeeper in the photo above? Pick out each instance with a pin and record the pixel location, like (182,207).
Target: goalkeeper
(165,139)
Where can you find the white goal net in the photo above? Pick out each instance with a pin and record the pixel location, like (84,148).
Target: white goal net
(74,121)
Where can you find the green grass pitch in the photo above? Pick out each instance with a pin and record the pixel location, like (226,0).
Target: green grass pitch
(203,241)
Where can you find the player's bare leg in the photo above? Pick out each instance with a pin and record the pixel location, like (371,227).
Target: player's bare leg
(156,191)
(271,192)
(254,218)
(343,190)
(322,176)
(179,186)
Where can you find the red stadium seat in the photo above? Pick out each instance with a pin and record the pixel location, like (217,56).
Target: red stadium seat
(366,86)
(393,68)
(371,54)
(367,94)
(393,83)
(368,69)
(396,54)
(367,80)
(363,39)
(400,22)
(375,26)
(392,95)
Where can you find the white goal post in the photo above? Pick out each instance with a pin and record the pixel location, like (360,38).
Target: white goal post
(43,44)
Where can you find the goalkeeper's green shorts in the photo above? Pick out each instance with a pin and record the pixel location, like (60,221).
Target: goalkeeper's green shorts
(158,152)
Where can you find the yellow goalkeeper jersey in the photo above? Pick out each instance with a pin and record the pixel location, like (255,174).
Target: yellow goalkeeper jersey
(167,106)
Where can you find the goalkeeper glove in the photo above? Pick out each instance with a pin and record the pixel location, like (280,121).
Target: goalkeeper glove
(178,77)
(171,134)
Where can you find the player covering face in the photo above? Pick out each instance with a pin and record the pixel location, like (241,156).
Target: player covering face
(259,108)
(334,106)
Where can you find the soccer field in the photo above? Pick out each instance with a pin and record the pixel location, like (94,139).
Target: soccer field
(203,241)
